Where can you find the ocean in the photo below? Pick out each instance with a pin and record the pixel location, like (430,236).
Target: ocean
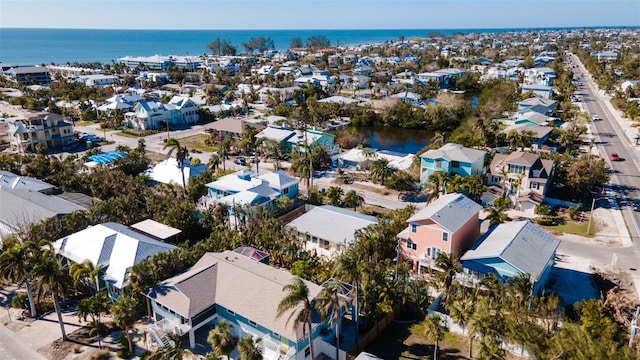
(58,46)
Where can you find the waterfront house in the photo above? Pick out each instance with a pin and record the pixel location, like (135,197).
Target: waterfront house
(293,139)
(510,250)
(97,80)
(449,225)
(328,241)
(541,91)
(116,248)
(187,108)
(539,134)
(152,114)
(229,287)
(523,175)
(452,158)
(28,75)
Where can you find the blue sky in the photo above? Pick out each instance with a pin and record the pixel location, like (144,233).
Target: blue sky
(315,14)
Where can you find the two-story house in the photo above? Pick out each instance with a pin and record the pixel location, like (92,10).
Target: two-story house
(453,159)
(40,128)
(449,224)
(187,108)
(510,250)
(152,114)
(524,176)
(246,188)
(329,241)
(245,293)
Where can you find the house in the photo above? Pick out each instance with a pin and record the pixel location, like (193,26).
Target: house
(539,76)
(292,139)
(245,188)
(113,246)
(449,224)
(40,128)
(543,106)
(442,78)
(97,80)
(539,134)
(452,158)
(159,62)
(238,290)
(524,176)
(283,94)
(168,172)
(510,250)
(541,91)
(329,241)
(17,182)
(152,114)
(531,117)
(630,84)
(29,75)
(360,158)
(187,108)
(21,206)
(233,127)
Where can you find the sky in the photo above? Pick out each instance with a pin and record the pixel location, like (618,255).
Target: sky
(316,14)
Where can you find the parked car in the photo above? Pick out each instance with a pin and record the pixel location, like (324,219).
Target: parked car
(596,117)
(614,157)
(208,130)
(636,204)
(239,161)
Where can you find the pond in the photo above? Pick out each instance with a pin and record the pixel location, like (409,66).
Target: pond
(396,139)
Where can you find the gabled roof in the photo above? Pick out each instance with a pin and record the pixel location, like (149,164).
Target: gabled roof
(234,183)
(522,244)
(537,101)
(534,117)
(331,223)
(279,179)
(454,152)
(168,171)
(114,246)
(273,133)
(451,211)
(245,286)
(13,181)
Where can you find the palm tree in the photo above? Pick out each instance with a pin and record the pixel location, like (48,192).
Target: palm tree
(496,216)
(330,303)
(438,183)
(380,170)
(86,271)
(15,265)
(297,301)
(93,307)
(174,351)
(348,269)
(249,349)
(334,194)
(51,273)
(432,328)
(182,153)
(214,162)
(124,315)
(353,199)
(449,266)
(221,338)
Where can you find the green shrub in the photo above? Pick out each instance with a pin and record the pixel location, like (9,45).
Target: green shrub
(20,301)
(545,221)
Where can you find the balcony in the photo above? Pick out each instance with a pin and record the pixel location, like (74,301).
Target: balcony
(167,326)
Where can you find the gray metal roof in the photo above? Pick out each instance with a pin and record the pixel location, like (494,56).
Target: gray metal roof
(522,244)
(331,223)
(451,211)
(455,152)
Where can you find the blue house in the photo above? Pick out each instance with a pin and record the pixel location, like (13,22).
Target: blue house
(452,158)
(245,188)
(241,291)
(292,139)
(512,249)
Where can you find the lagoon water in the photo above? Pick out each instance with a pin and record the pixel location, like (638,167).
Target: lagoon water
(45,46)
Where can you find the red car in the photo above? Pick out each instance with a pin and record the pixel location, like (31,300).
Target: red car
(614,157)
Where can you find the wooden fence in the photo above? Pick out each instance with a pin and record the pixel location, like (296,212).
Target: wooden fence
(373,333)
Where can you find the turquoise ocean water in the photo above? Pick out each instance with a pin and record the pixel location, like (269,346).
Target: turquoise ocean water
(45,46)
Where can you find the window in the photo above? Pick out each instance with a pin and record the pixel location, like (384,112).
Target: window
(438,163)
(253,323)
(534,185)
(411,245)
(516,169)
(433,252)
(285,191)
(455,164)
(414,228)
(231,312)
(307,352)
(276,336)
(445,236)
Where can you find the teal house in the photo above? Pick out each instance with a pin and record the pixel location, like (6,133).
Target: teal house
(510,250)
(452,158)
(293,139)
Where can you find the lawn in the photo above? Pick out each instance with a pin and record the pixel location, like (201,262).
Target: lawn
(571,227)
(197,142)
(127,135)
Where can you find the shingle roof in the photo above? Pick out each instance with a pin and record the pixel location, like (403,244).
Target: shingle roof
(13,181)
(279,179)
(454,152)
(522,244)
(247,287)
(451,211)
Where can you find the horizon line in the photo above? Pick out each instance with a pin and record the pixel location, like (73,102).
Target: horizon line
(345,29)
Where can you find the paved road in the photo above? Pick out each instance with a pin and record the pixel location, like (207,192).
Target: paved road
(611,137)
(13,348)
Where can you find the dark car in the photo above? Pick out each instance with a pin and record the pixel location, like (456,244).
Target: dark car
(239,161)
(636,204)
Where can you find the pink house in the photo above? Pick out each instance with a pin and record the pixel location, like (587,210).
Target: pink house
(450,225)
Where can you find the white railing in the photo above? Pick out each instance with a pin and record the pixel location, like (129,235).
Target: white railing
(168,326)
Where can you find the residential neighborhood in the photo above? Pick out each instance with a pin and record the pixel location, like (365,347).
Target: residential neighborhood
(327,202)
